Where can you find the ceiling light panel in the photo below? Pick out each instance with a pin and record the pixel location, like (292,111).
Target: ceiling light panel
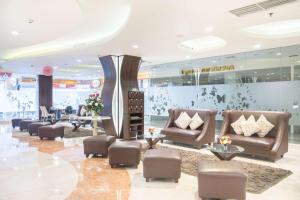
(279,29)
(202,44)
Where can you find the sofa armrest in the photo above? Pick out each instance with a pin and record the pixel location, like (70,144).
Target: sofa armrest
(208,131)
(170,119)
(281,141)
(226,123)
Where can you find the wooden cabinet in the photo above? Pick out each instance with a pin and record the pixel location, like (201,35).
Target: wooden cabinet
(133,122)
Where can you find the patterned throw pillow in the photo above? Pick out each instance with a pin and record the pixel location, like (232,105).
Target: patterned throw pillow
(183,120)
(264,126)
(250,127)
(196,122)
(237,125)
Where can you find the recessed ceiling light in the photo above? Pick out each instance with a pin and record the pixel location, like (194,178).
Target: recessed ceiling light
(278,54)
(135,46)
(188,56)
(79,60)
(202,44)
(55,67)
(298,61)
(279,29)
(257,46)
(209,29)
(15,33)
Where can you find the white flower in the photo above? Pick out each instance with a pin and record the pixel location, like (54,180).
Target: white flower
(91,103)
(96,104)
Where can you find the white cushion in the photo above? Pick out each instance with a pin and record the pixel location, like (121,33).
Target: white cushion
(249,127)
(264,126)
(237,125)
(183,120)
(196,122)
(82,111)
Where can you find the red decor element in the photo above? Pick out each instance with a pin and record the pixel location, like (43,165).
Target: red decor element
(47,71)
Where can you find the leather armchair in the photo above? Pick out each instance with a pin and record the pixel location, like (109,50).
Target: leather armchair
(273,146)
(203,135)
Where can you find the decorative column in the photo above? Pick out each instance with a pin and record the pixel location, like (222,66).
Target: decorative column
(108,92)
(120,76)
(45,92)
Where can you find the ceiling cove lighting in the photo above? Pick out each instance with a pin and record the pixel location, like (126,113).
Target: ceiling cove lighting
(202,44)
(279,29)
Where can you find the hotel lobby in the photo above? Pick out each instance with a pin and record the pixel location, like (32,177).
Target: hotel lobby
(140,100)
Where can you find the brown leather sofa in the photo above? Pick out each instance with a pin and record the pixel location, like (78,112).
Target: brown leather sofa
(274,145)
(203,135)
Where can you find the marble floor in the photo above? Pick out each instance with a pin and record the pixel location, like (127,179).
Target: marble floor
(34,169)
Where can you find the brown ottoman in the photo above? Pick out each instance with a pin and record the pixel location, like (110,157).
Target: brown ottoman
(124,153)
(15,122)
(24,124)
(51,131)
(33,127)
(221,179)
(98,145)
(162,163)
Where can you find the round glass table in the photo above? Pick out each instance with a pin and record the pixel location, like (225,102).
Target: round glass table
(225,152)
(153,138)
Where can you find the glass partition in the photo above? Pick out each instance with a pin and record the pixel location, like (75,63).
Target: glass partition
(17,96)
(258,80)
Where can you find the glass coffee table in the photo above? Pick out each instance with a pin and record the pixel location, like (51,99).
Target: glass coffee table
(225,152)
(153,138)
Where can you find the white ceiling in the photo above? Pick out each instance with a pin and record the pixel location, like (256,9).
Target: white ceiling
(65,31)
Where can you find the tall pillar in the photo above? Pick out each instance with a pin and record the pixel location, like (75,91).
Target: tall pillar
(120,76)
(45,92)
(110,76)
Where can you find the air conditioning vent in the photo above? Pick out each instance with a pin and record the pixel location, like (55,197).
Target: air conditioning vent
(246,10)
(273,3)
(261,6)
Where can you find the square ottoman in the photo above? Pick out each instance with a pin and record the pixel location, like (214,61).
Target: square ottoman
(34,127)
(221,179)
(51,131)
(15,122)
(162,163)
(124,153)
(98,145)
(23,124)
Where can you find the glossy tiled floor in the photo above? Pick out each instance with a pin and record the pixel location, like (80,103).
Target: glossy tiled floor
(35,169)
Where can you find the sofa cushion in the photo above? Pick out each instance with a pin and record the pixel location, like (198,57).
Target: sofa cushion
(264,126)
(249,127)
(265,143)
(180,134)
(183,120)
(196,122)
(237,125)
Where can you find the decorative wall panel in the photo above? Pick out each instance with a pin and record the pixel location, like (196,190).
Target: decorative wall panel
(283,96)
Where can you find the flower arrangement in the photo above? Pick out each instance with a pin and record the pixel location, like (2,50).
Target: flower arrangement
(94,103)
(225,140)
(151,130)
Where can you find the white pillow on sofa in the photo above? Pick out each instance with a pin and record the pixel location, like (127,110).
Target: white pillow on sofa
(183,121)
(196,122)
(82,111)
(250,126)
(264,126)
(237,125)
